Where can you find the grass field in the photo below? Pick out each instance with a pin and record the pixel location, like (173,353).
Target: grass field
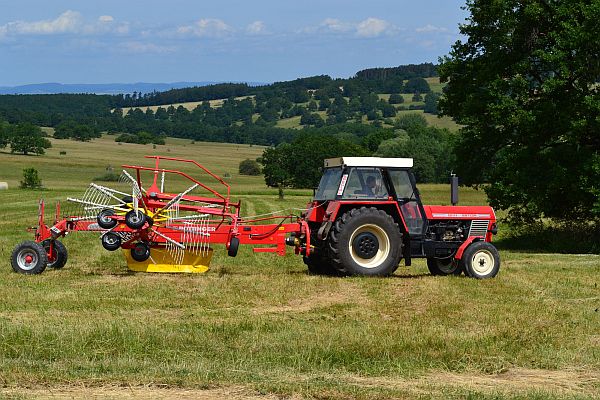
(257,326)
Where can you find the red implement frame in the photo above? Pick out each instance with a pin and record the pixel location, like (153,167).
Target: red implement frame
(228,223)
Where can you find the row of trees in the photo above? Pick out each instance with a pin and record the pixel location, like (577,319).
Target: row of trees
(402,79)
(23,138)
(298,163)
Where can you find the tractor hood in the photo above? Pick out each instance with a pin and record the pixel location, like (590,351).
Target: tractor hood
(460,212)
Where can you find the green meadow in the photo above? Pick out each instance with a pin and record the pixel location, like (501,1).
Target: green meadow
(258,326)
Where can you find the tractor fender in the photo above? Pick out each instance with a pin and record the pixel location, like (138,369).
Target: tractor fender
(324,230)
(464,245)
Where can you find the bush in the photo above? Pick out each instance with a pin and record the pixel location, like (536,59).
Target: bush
(396,98)
(249,167)
(31,179)
(108,177)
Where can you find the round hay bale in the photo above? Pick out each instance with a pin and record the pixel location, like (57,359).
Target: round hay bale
(3,185)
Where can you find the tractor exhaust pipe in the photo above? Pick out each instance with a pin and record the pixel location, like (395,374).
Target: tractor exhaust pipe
(453,189)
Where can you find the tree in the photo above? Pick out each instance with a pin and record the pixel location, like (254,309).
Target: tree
(249,167)
(298,164)
(31,179)
(276,167)
(524,83)
(431,103)
(429,147)
(396,98)
(4,134)
(27,138)
(415,85)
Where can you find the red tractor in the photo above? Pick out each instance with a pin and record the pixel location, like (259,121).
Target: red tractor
(367,215)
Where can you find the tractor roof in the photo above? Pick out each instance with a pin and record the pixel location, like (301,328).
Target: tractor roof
(369,162)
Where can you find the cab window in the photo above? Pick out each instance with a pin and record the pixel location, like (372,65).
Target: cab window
(365,183)
(407,201)
(329,184)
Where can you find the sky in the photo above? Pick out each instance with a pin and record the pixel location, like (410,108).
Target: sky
(131,41)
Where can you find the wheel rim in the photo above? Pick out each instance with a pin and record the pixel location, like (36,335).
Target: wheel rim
(135,217)
(110,239)
(27,259)
(483,262)
(105,216)
(382,245)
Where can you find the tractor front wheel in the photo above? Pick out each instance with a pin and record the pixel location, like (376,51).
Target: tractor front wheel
(444,266)
(59,254)
(481,260)
(365,241)
(29,258)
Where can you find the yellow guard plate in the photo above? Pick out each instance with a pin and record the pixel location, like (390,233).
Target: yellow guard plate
(163,262)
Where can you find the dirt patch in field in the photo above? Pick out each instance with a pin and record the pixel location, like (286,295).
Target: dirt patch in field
(515,380)
(137,393)
(349,295)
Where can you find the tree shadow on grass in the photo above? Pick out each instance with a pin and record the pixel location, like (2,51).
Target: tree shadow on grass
(575,238)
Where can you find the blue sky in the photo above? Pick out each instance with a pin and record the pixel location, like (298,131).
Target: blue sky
(181,40)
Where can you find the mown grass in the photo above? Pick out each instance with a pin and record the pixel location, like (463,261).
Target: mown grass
(260,322)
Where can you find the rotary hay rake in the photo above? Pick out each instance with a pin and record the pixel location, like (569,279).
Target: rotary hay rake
(156,230)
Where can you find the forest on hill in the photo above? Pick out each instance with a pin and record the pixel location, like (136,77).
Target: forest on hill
(363,110)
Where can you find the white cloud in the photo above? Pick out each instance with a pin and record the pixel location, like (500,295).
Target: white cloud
(140,47)
(105,18)
(256,28)
(335,25)
(209,27)
(371,27)
(67,22)
(431,28)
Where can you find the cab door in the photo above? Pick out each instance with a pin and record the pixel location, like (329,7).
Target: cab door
(407,195)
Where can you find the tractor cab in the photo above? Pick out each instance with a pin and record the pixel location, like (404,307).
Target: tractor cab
(374,180)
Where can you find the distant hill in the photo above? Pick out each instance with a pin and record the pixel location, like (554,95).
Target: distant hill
(367,103)
(103,88)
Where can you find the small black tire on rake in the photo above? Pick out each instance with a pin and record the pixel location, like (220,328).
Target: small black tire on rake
(135,219)
(111,241)
(140,252)
(104,219)
(234,245)
(60,252)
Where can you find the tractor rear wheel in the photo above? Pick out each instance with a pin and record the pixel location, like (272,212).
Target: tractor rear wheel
(60,254)
(29,258)
(444,266)
(365,241)
(481,260)
(319,265)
